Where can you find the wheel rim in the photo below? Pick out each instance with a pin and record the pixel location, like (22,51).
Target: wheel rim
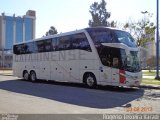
(26,76)
(90,81)
(33,76)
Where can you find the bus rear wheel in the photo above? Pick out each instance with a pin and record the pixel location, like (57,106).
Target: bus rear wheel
(25,75)
(33,77)
(90,80)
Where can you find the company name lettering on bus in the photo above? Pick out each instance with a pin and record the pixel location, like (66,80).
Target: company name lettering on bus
(56,56)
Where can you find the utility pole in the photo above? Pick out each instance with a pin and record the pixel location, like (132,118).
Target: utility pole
(157,44)
(144,13)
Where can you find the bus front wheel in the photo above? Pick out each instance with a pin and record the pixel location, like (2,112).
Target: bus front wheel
(33,77)
(90,80)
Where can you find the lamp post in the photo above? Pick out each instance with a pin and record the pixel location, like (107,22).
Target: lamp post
(157,44)
(144,13)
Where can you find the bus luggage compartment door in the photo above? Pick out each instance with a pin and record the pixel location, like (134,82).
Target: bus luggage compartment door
(56,72)
(44,70)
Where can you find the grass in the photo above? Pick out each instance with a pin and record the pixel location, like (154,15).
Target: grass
(150,80)
(149,73)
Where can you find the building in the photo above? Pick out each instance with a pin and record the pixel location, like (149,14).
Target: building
(15,29)
(151,53)
(151,48)
(143,55)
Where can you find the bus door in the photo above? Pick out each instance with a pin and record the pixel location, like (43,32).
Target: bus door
(105,71)
(115,75)
(105,75)
(116,65)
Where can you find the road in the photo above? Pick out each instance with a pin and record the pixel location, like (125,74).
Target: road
(22,97)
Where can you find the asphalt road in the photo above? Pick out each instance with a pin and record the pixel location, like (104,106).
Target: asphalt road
(22,97)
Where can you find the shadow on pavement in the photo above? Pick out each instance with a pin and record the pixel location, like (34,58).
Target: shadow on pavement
(77,94)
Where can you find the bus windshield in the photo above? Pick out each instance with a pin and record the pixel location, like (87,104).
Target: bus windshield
(130,62)
(126,38)
(117,58)
(105,35)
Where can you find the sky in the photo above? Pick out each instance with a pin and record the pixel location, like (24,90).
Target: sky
(69,15)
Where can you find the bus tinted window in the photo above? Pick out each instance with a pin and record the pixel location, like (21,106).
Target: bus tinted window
(29,48)
(48,45)
(54,44)
(80,41)
(69,42)
(101,35)
(110,56)
(40,46)
(64,43)
(15,49)
(19,49)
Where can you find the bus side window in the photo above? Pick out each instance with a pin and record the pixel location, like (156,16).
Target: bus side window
(48,45)
(17,49)
(80,41)
(108,60)
(105,55)
(84,43)
(21,48)
(40,46)
(64,43)
(75,41)
(29,47)
(55,44)
(116,58)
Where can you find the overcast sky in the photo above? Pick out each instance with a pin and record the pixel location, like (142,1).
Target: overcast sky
(68,15)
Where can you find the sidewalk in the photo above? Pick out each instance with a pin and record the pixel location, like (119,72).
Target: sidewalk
(6,72)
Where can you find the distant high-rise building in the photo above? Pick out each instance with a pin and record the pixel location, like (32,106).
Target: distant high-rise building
(15,29)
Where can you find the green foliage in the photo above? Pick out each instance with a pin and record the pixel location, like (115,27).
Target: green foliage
(99,15)
(52,31)
(143,30)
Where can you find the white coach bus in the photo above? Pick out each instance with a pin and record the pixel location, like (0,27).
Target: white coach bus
(94,56)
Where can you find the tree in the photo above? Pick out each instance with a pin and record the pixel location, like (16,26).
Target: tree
(143,30)
(52,31)
(99,14)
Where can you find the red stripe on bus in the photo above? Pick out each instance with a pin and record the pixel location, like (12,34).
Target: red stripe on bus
(122,77)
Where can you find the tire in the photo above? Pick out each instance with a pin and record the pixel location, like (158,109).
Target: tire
(26,75)
(33,77)
(90,80)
